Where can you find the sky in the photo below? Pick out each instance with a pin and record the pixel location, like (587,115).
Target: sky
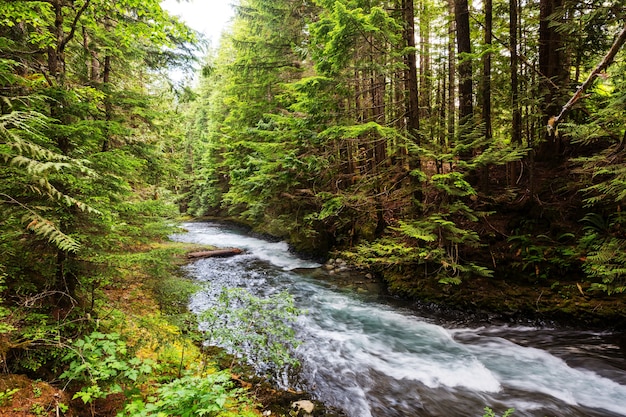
(206,16)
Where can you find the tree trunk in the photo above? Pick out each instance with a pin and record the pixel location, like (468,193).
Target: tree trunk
(516,121)
(486,78)
(486,88)
(425,89)
(412,102)
(412,105)
(554,71)
(216,253)
(464,47)
(108,105)
(451,74)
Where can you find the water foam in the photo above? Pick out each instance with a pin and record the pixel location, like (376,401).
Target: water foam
(275,253)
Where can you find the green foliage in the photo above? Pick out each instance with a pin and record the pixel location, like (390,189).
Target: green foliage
(543,257)
(36,166)
(103,365)
(259,330)
(603,243)
(5,325)
(430,247)
(190,396)
(490,413)
(7,395)
(173,294)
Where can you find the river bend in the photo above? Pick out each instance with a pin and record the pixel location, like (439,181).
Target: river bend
(369,358)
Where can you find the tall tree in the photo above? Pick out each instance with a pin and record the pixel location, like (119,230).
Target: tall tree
(516,116)
(553,66)
(464,48)
(486,70)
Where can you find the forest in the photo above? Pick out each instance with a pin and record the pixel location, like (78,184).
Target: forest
(468,154)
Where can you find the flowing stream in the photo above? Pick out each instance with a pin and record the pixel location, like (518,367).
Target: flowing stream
(368,358)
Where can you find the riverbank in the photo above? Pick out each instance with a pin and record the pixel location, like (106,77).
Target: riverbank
(483,300)
(138,346)
(512,295)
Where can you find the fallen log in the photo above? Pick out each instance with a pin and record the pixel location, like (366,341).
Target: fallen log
(217,253)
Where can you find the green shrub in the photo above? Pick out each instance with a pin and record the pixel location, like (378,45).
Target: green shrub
(192,396)
(102,364)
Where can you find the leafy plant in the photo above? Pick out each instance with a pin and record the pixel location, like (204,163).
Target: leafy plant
(103,364)
(490,413)
(7,395)
(543,257)
(192,396)
(605,260)
(259,330)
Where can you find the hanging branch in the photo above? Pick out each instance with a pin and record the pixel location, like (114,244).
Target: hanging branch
(606,61)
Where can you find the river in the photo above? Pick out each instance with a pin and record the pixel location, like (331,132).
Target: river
(367,357)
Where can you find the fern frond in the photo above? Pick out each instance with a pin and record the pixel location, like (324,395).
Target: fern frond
(46,229)
(415,231)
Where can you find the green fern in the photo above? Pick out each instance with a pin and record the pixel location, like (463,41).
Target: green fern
(48,230)
(35,164)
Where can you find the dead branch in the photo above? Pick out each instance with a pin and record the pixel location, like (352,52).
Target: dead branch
(579,94)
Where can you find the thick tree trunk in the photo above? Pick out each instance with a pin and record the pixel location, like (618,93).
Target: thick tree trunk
(554,70)
(412,101)
(464,47)
(485,88)
(412,113)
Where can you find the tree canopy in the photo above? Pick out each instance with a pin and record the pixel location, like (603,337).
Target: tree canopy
(372,128)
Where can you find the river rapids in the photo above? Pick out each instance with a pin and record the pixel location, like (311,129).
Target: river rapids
(367,357)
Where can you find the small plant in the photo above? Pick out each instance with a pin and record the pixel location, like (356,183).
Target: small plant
(256,329)
(192,396)
(103,364)
(36,390)
(38,410)
(490,413)
(7,395)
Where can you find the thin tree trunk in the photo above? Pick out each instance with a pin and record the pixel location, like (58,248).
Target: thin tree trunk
(451,74)
(486,78)
(108,105)
(516,125)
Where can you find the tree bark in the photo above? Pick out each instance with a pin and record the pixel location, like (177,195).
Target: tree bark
(464,47)
(412,101)
(451,74)
(412,113)
(217,253)
(486,78)
(516,116)
(553,68)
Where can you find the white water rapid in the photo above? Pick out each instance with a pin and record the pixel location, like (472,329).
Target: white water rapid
(368,358)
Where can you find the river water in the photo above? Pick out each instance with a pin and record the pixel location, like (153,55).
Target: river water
(368,358)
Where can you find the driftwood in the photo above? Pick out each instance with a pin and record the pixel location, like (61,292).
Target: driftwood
(217,253)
